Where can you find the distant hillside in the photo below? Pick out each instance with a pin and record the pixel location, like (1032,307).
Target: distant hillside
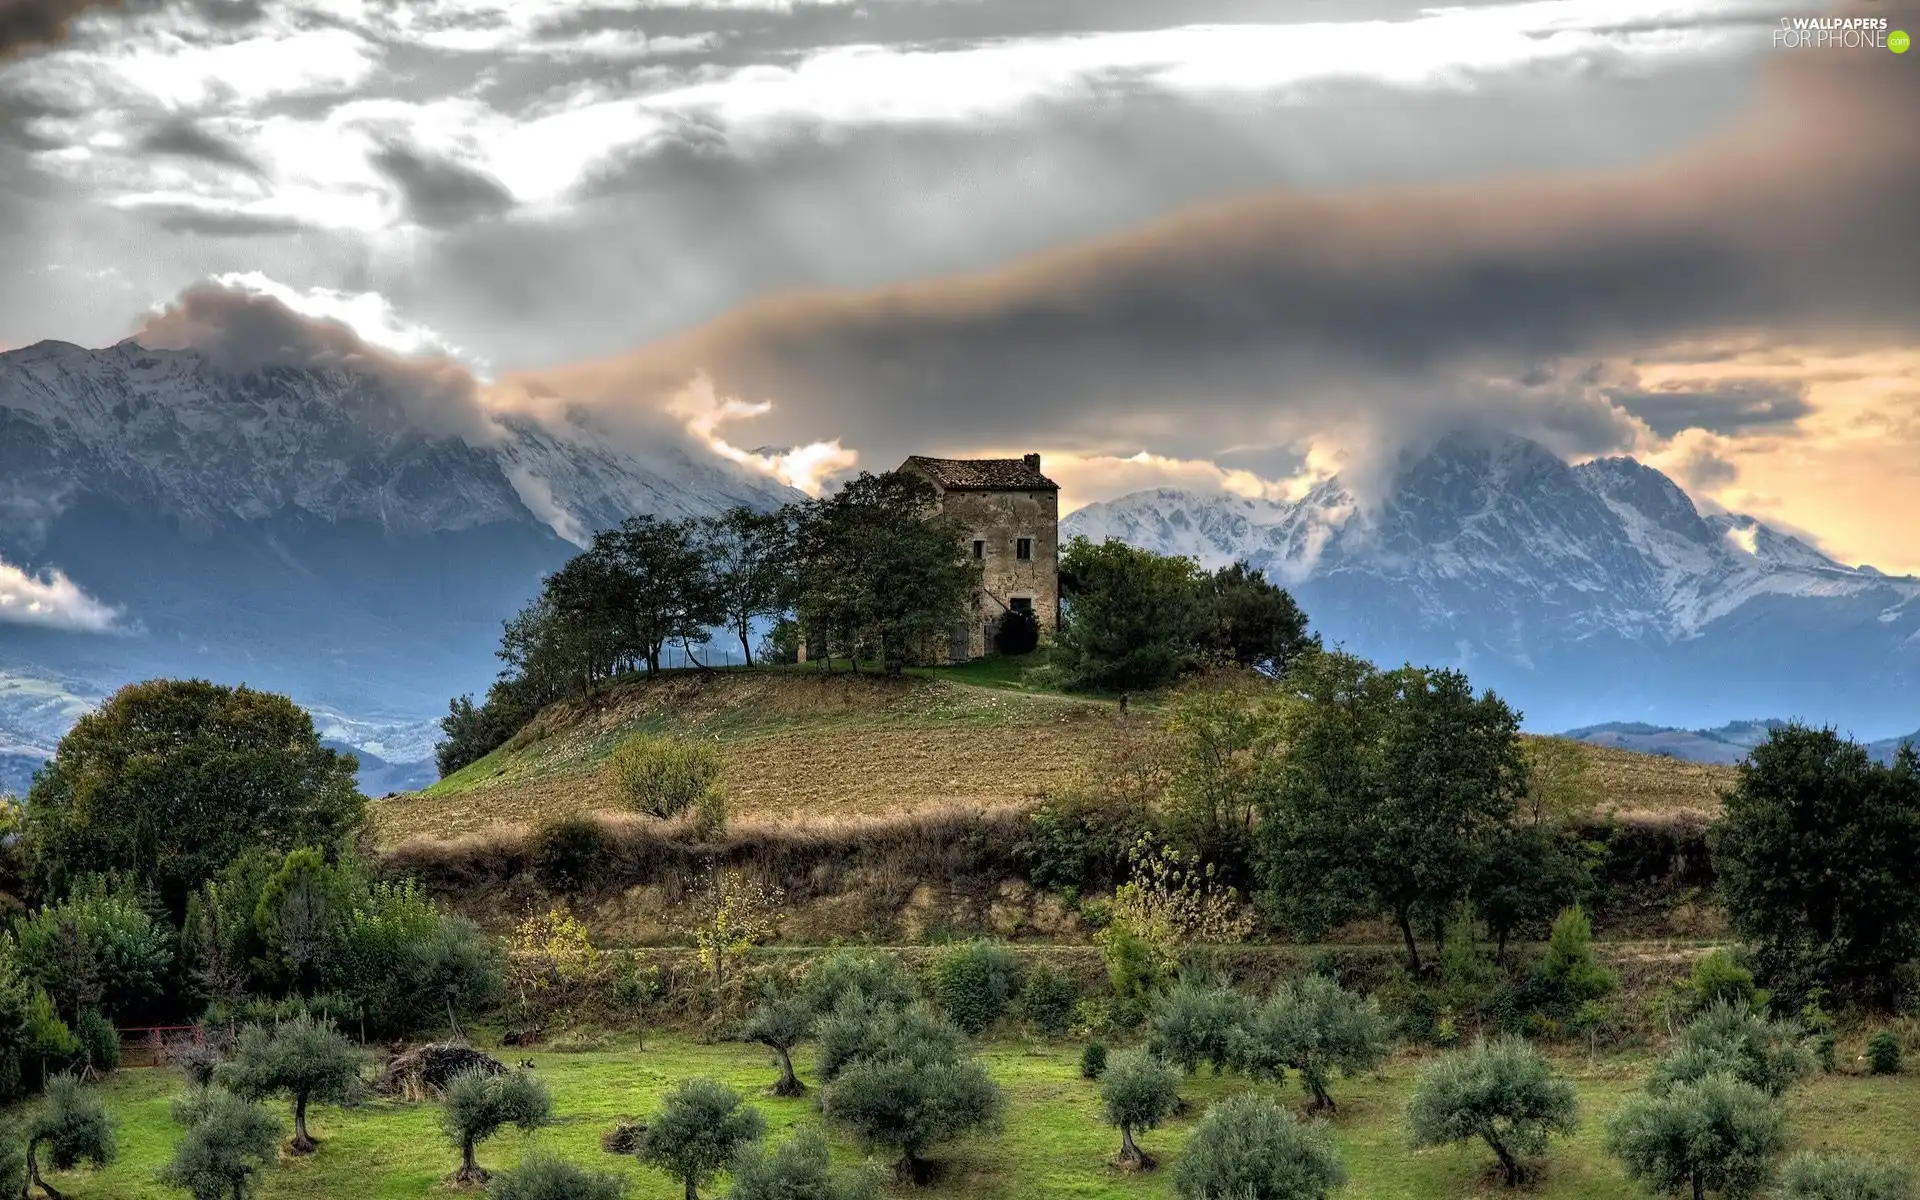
(1727,745)
(801,745)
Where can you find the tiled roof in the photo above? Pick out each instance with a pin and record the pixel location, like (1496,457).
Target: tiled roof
(984,474)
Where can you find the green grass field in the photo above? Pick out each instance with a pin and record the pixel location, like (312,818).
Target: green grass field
(1052,1145)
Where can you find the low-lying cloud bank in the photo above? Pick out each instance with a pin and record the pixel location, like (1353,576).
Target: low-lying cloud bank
(51,600)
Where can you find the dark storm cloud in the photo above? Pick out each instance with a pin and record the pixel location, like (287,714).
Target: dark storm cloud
(1728,409)
(25,24)
(182,138)
(1397,302)
(440,193)
(177,219)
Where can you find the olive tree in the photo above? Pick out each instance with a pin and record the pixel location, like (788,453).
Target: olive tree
(780,1024)
(797,1169)
(1316,1027)
(1502,1092)
(1194,1023)
(1842,1177)
(698,1131)
(1247,1149)
(1716,1134)
(543,1177)
(1732,1039)
(302,1059)
(72,1126)
(229,1142)
(478,1105)
(1137,1091)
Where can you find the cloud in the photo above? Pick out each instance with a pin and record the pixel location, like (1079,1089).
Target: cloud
(440,192)
(51,600)
(25,24)
(1728,408)
(183,138)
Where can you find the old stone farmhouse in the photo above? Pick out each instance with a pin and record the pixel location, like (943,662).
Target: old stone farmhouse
(1012,512)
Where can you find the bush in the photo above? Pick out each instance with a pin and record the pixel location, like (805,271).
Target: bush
(1569,976)
(229,1142)
(99,1041)
(302,1059)
(1883,1053)
(974,981)
(799,1168)
(1717,978)
(1246,1148)
(570,855)
(478,1105)
(1137,1092)
(1047,1000)
(1079,842)
(1316,1027)
(1195,1023)
(871,976)
(698,1131)
(98,948)
(72,1126)
(1132,970)
(1842,1177)
(13,1161)
(1018,632)
(1502,1092)
(860,1028)
(543,1177)
(664,777)
(1716,1134)
(1732,1040)
(1093,1060)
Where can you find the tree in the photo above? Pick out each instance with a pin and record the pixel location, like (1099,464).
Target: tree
(1251,622)
(1317,1027)
(168,781)
(1391,794)
(1502,1092)
(543,1177)
(897,1103)
(229,1142)
(1246,1148)
(1195,1022)
(1216,733)
(665,776)
(663,589)
(1728,1039)
(974,981)
(780,1024)
(860,1027)
(1842,1177)
(797,1169)
(1131,618)
(871,976)
(1137,1092)
(73,1127)
(298,915)
(1814,855)
(1715,1134)
(478,1105)
(302,1059)
(99,947)
(751,559)
(1569,976)
(699,1131)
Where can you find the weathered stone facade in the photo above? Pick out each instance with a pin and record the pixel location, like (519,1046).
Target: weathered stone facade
(1012,514)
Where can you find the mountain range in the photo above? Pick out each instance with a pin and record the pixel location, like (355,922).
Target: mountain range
(1583,593)
(310,531)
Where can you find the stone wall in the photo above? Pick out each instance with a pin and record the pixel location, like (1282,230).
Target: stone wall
(998,520)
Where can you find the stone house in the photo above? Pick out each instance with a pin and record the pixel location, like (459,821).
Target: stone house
(1012,513)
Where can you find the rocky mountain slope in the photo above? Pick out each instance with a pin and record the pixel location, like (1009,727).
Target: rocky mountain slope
(1584,593)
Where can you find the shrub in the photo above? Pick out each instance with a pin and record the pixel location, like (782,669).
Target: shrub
(799,1168)
(543,1177)
(699,1130)
(1047,1000)
(662,776)
(1468,975)
(908,1107)
(1248,1149)
(1195,1023)
(1725,1038)
(974,981)
(1093,1060)
(196,1059)
(1883,1053)
(1079,841)
(1842,1177)
(99,1041)
(229,1142)
(478,1105)
(871,976)
(1715,1134)
(1569,976)
(1316,1027)
(1018,632)
(73,1127)
(730,913)
(570,855)
(861,1028)
(302,1059)
(98,948)
(1502,1092)
(1717,978)
(780,1024)
(553,954)
(1137,1092)
(13,1162)
(1132,970)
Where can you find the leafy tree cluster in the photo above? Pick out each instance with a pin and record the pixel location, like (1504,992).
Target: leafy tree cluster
(1132,619)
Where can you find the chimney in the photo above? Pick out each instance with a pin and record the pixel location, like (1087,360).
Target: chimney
(1033,460)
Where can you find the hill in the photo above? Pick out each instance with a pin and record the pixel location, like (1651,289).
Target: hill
(800,745)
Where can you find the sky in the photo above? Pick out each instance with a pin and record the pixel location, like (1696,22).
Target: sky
(1220,244)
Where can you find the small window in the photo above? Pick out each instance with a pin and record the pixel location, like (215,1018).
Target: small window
(979,548)
(1023,549)
(1021,604)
